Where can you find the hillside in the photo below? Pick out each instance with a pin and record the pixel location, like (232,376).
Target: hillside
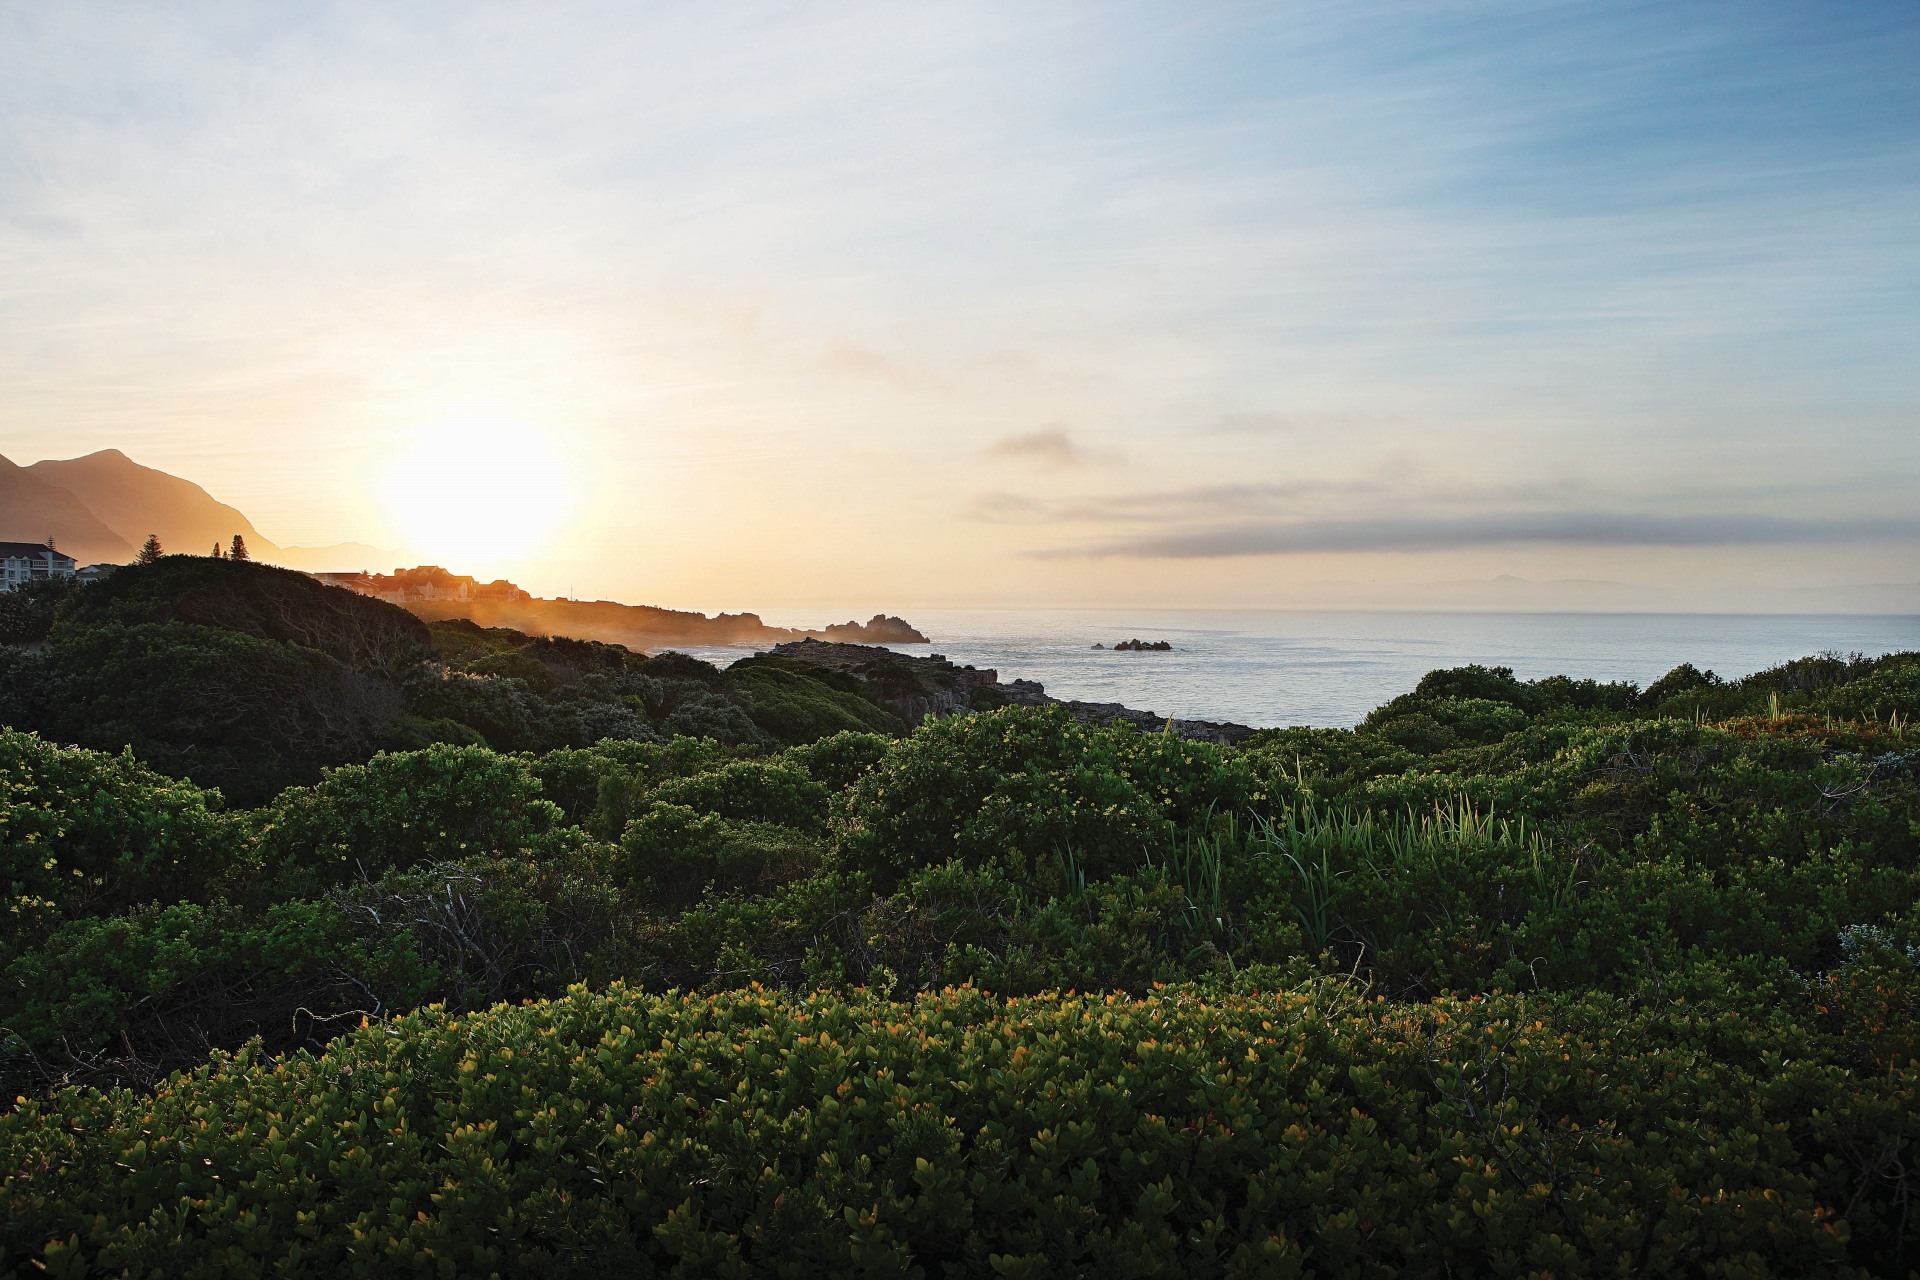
(101,507)
(32,510)
(135,501)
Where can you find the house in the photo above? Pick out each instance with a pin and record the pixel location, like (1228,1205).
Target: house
(24,562)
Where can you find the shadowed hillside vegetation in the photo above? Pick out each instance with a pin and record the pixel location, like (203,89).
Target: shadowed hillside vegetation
(250,678)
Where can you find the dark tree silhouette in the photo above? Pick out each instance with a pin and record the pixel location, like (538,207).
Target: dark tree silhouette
(150,550)
(216,553)
(238,551)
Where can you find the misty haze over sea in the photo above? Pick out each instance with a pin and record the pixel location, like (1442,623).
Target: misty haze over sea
(1268,667)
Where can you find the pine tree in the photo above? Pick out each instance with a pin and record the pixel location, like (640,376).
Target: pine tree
(216,552)
(238,551)
(150,551)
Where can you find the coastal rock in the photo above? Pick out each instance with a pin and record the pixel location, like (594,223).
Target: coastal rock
(879,629)
(1142,646)
(914,688)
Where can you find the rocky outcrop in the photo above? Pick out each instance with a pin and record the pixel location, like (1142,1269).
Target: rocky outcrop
(880,629)
(914,688)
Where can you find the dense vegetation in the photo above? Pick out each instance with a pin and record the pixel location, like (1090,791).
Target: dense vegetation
(251,679)
(634,966)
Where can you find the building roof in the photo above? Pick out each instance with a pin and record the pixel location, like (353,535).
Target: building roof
(10,549)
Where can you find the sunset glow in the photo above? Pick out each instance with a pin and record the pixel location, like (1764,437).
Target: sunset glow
(477,490)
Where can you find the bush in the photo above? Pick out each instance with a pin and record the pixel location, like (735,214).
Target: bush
(676,855)
(752,791)
(840,761)
(85,833)
(1187,1134)
(225,708)
(440,804)
(796,702)
(256,600)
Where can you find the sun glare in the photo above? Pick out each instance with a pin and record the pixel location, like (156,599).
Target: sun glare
(472,491)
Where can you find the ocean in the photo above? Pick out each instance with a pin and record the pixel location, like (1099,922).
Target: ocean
(1266,668)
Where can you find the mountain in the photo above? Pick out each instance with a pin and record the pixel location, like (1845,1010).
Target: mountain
(32,510)
(134,501)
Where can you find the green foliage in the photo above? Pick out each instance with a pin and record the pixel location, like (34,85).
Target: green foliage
(223,707)
(128,998)
(795,702)
(840,761)
(1522,977)
(84,833)
(573,777)
(27,612)
(1476,705)
(752,791)
(1019,785)
(256,600)
(1189,1134)
(398,810)
(676,855)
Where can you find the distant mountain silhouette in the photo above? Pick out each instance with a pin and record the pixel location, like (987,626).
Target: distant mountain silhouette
(32,509)
(134,501)
(100,507)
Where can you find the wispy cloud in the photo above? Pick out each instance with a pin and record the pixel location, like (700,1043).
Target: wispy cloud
(1053,446)
(1164,506)
(1453,533)
(858,361)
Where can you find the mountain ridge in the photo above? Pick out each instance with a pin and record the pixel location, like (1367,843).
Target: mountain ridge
(100,507)
(135,500)
(32,510)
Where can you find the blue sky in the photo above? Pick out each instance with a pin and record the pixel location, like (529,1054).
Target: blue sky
(1004,303)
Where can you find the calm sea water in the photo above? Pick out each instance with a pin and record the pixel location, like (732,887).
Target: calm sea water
(1275,668)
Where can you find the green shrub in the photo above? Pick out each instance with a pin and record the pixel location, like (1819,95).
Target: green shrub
(839,761)
(225,708)
(796,702)
(440,804)
(752,791)
(677,855)
(84,833)
(1187,1134)
(1021,786)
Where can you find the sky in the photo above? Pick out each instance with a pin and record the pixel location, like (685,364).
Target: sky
(792,306)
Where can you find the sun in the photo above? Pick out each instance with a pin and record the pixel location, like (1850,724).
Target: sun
(473,491)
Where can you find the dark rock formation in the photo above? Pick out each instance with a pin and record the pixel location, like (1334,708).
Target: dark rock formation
(880,629)
(1142,646)
(914,688)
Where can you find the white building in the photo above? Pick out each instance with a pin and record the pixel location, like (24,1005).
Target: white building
(24,562)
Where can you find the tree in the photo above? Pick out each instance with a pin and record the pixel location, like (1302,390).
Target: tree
(216,553)
(238,551)
(150,550)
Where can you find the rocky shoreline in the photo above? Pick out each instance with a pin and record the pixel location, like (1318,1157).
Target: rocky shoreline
(914,687)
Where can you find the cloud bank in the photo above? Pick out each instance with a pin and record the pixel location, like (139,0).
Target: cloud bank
(1452,533)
